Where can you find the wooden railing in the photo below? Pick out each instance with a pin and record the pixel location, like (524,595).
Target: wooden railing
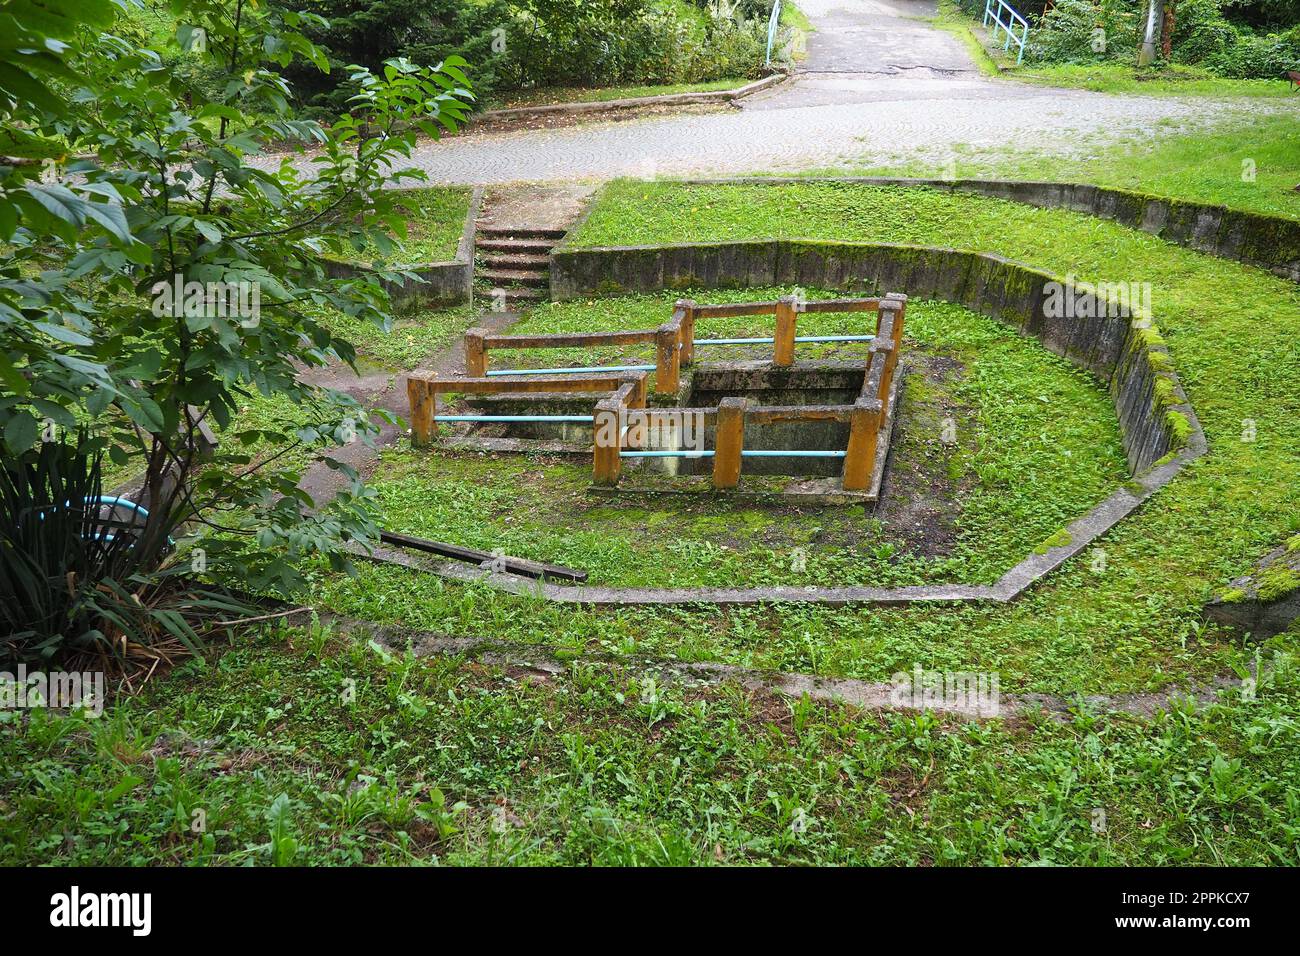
(620,414)
(867,417)
(423,388)
(674,340)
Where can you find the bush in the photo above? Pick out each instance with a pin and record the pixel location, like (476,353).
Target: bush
(70,579)
(545,42)
(1203,36)
(1252,57)
(1068,32)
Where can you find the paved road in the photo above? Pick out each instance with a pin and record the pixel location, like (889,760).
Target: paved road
(879,85)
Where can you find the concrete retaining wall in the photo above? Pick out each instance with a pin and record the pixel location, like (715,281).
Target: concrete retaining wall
(444,284)
(1109,345)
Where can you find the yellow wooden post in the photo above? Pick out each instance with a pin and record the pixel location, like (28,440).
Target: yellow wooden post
(894,306)
(475,353)
(638,396)
(423,404)
(864,431)
(728,441)
(667,361)
(883,351)
(607,463)
(783,348)
(687,330)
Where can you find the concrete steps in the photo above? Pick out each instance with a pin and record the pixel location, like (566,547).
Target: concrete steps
(515,260)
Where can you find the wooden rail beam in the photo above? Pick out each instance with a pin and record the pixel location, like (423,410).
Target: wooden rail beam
(842,305)
(552,340)
(579,382)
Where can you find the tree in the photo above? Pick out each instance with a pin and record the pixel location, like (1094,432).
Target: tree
(1147,55)
(162,194)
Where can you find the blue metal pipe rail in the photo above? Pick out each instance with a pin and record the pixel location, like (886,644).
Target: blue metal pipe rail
(994,9)
(797,338)
(562,371)
(773,25)
(514,418)
(745,453)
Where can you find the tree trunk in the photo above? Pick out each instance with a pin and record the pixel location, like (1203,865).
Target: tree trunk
(1147,56)
(1167,31)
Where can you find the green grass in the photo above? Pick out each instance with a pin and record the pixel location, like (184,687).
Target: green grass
(1252,165)
(952,20)
(1170,80)
(415,335)
(297,747)
(552,95)
(435,220)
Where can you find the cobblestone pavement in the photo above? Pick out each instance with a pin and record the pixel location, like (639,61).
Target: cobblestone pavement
(879,85)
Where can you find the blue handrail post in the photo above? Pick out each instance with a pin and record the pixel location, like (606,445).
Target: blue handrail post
(773,23)
(1009,27)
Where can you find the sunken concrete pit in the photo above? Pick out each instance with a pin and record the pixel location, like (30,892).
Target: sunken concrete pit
(816,383)
(1160,431)
(826,424)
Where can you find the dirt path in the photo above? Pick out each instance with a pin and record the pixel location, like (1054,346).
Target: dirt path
(522,206)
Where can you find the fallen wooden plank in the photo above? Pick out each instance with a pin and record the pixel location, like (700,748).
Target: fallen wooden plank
(521,566)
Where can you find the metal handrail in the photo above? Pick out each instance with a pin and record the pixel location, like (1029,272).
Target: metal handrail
(1013,19)
(773,24)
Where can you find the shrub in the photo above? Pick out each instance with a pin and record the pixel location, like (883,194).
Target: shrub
(71,581)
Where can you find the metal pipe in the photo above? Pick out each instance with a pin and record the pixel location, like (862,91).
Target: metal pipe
(514,418)
(797,338)
(666,454)
(561,371)
(745,453)
(755,453)
(773,23)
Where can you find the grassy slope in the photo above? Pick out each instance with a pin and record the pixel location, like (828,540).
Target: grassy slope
(300,748)
(551,95)
(435,221)
(1212,167)
(1133,626)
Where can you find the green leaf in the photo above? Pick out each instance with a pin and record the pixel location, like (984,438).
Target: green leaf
(13,379)
(63,334)
(58,201)
(20,432)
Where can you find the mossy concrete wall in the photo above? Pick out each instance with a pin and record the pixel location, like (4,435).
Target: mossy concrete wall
(1266,601)
(442,284)
(1092,332)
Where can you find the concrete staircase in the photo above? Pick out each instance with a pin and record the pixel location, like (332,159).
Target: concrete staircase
(515,260)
